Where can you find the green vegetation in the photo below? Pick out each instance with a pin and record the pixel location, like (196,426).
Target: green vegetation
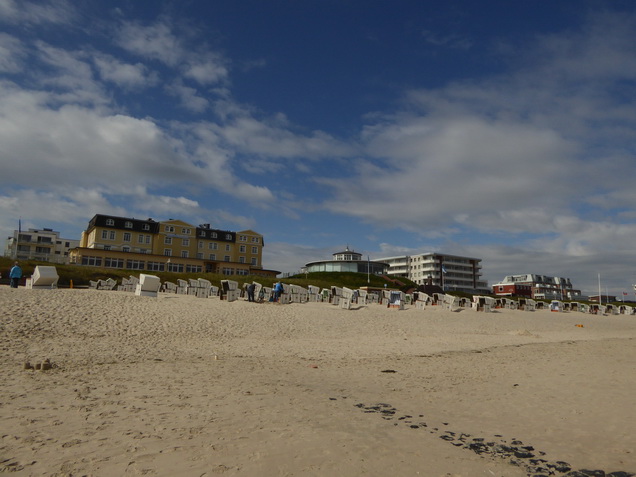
(80,276)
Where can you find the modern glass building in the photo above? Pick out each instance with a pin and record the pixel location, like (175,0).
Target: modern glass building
(347,261)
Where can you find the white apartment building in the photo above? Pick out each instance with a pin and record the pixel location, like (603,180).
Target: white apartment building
(39,244)
(450,272)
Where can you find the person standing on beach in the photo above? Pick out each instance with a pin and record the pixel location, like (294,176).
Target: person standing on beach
(278,290)
(15,274)
(250,292)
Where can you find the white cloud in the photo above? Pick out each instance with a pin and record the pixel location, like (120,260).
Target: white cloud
(156,42)
(12,54)
(36,13)
(189,97)
(207,71)
(125,75)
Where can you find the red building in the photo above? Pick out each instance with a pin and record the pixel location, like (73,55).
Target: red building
(538,287)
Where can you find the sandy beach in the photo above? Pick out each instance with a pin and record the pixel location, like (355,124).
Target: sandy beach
(178,385)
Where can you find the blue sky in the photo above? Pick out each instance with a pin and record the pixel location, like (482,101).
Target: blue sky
(469,128)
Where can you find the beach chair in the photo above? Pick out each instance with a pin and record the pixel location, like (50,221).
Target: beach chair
(44,277)
(396,300)
(483,303)
(346,295)
(336,294)
(169,287)
(313,293)
(108,284)
(285,296)
(556,306)
(93,285)
(203,288)
(451,302)
(230,290)
(214,292)
(437,299)
(193,285)
(147,285)
(182,287)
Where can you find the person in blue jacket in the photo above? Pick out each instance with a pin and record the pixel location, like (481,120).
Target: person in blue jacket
(278,290)
(15,274)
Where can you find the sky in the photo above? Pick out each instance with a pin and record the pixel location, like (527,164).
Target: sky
(504,131)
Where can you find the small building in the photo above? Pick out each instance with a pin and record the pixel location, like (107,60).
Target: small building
(604,298)
(347,261)
(44,245)
(537,287)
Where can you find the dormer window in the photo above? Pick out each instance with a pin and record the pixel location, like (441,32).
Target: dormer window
(128,225)
(110,222)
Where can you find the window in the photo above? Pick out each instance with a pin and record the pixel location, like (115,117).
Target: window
(213,246)
(227,247)
(110,222)
(155,266)
(112,235)
(128,225)
(242,248)
(254,262)
(255,240)
(214,235)
(144,250)
(135,264)
(227,271)
(175,267)
(185,231)
(125,248)
(202,233)
(104,234)
(241,259)
(193,268)
(186,242)
(167,240)
(92,261)
(200,256)
(184,254)
(254,250)
(127,236)
(213,256)
(167,252)
(141,238)
(200,244)
(228,236)
(107,247)
(146,227)
(241,271)
(114,263)
(226,258)
(243,238)
(169,228)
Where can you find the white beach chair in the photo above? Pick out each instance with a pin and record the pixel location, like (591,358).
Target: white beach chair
(182,287)
(148,285)
(451,302)
(44,277)
(203,288)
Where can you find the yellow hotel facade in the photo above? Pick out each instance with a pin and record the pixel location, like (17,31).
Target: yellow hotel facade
(170,246)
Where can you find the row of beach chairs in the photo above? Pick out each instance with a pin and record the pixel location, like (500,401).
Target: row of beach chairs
(343,297)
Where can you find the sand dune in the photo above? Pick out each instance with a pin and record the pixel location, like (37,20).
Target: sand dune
(308,389)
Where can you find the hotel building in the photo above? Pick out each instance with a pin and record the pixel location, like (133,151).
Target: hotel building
(450,272)
(539,287)
(45,245)
(171,246)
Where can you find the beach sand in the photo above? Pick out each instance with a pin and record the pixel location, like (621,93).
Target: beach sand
(176,385)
